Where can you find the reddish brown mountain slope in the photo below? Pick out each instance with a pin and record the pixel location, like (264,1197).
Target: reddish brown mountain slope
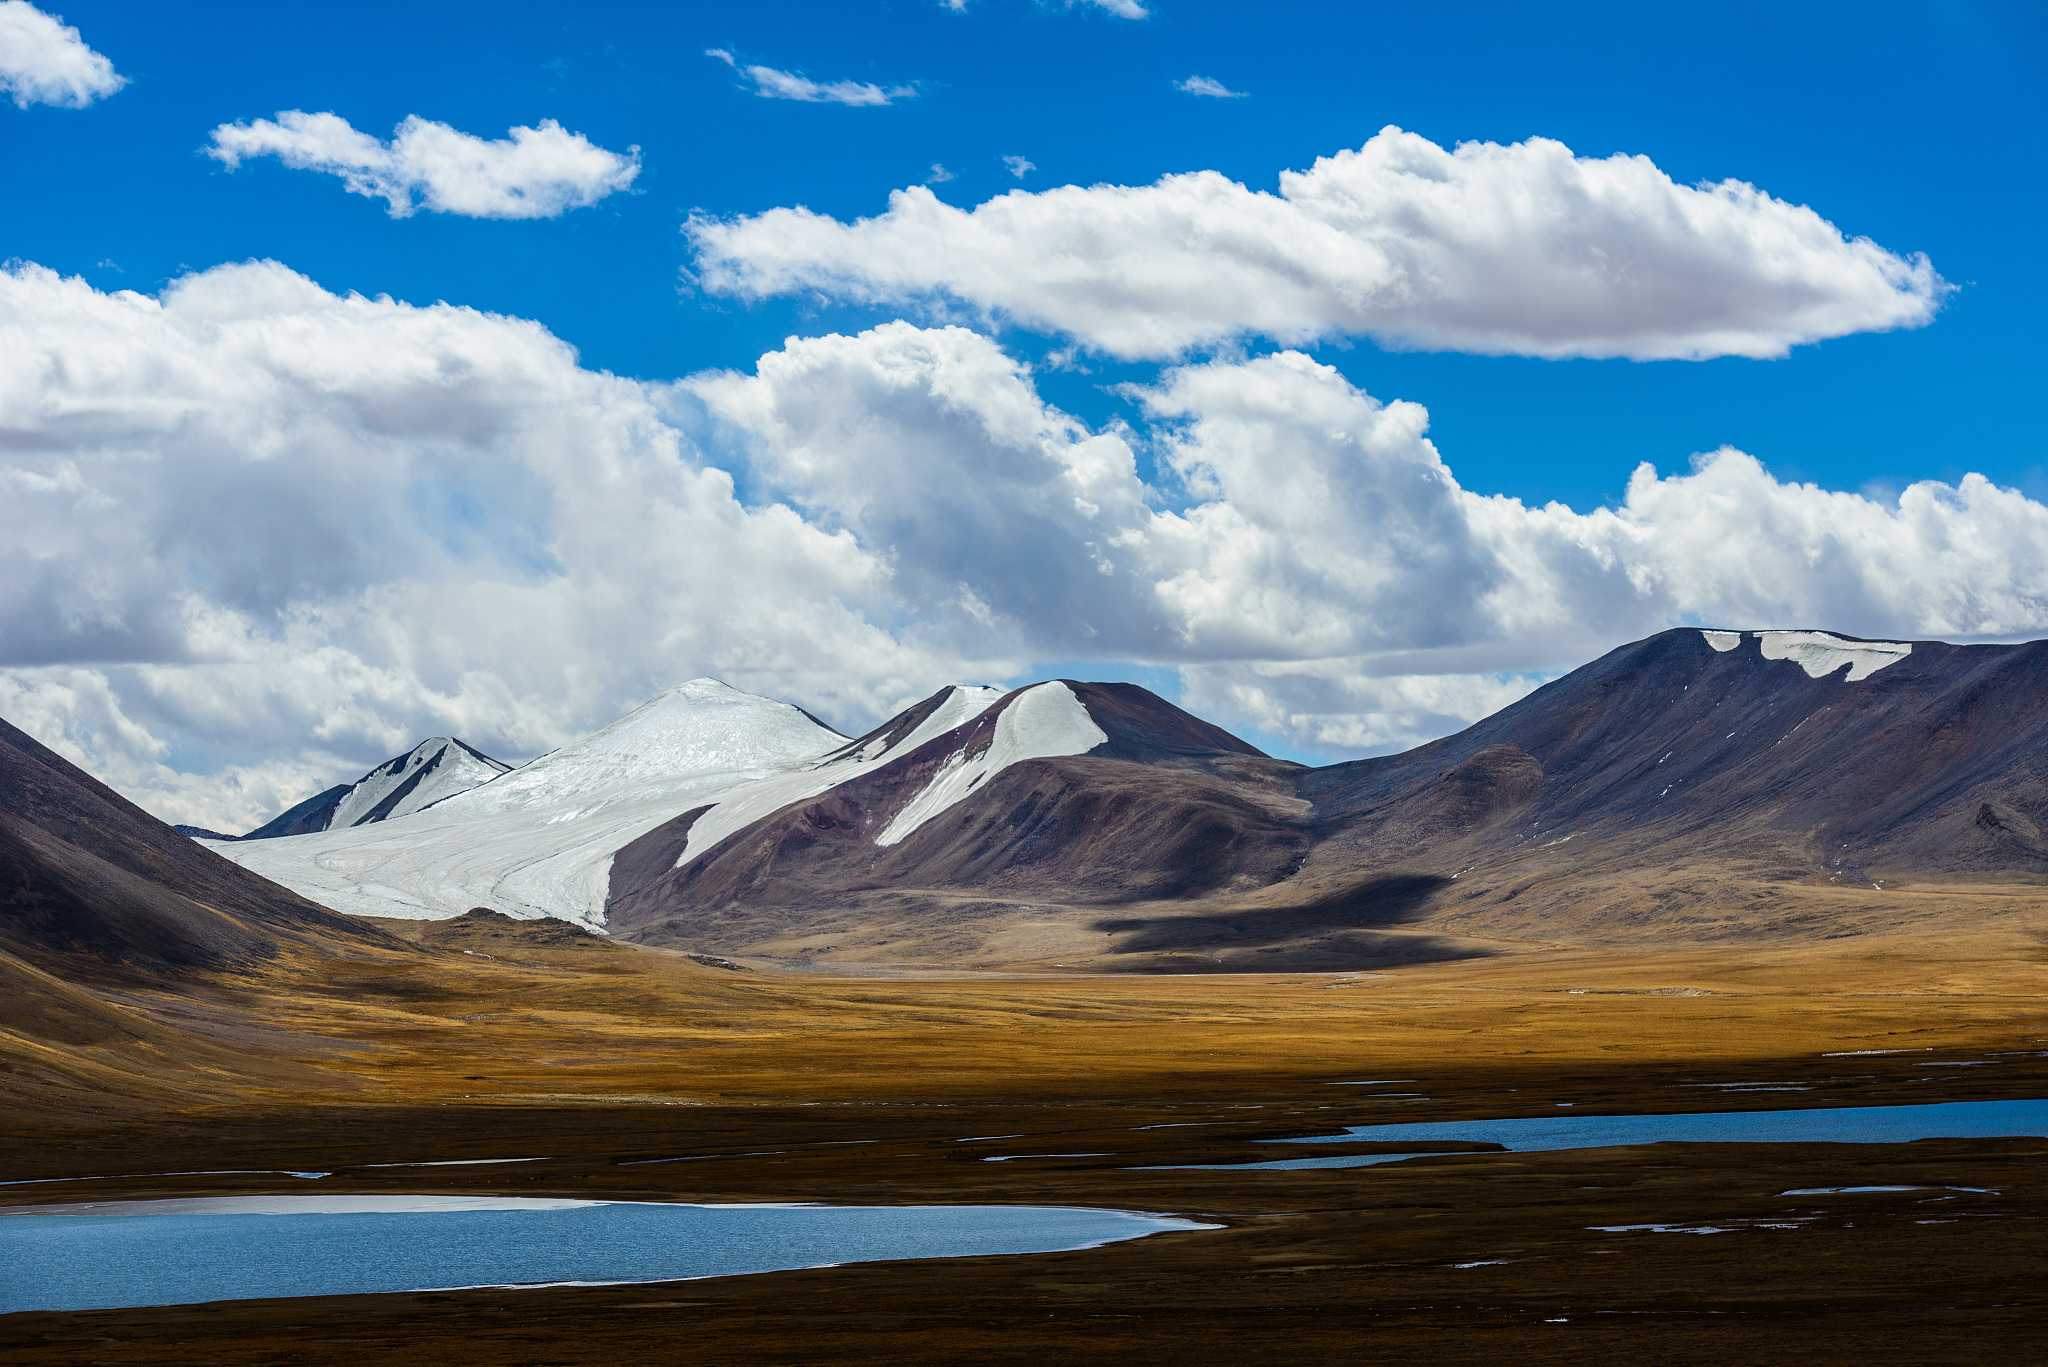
(1669,788)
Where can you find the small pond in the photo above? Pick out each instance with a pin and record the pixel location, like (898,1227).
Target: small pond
(128,1253)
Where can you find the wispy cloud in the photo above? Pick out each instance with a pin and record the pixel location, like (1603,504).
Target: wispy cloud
(1122,9)
(939,176)
(44,61)
(531,173)
(771,84)
(1018,166)
(1203,85)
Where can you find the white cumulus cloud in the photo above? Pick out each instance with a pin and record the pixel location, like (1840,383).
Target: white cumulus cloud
(1348,706)
(261,536)
(281,531)
(44,61)
(1523,249)
(1308,560)
(530,173)
(772,84)
(1204,85)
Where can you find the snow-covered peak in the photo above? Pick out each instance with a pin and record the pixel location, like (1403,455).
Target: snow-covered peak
(1040,722)
(438,767)
(694,729)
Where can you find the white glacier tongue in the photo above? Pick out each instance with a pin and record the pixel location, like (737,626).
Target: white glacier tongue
(744,806)
(539,840)
(1818,653)
(437,768)
(1041,722)
(695,729)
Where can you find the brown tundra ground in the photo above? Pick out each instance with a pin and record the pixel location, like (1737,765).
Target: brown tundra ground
(523,1041)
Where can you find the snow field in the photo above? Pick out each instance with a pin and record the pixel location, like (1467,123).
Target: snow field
(539,840)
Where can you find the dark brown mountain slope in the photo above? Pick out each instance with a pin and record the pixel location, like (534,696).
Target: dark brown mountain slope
(1934,765)
(94,889)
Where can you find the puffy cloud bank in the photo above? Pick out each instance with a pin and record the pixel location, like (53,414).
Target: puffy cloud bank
(1525,249)
(263,535)
(530,173)
(44,61)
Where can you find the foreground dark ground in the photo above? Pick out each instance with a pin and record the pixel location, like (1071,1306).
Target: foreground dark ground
(1468,1258)
(871,1091)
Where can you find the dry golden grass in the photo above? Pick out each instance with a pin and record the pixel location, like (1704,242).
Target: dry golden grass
(603,1023)
(861,1089)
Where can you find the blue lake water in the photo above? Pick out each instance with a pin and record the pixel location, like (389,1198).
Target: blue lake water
(108,1255)
(1532,1134)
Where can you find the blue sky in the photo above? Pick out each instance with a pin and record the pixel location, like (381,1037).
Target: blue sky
(1906,123)
(1912,125)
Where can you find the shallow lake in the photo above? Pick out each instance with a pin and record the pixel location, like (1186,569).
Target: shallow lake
(127,1253)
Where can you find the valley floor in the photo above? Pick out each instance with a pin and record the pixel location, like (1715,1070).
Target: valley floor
(602,1060)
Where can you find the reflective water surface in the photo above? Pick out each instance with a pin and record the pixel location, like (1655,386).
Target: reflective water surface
(112,1254)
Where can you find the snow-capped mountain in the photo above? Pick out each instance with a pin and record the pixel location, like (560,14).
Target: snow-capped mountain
(1703,784)
(436,768)
(1689,782)
(538,840)
(1058,792)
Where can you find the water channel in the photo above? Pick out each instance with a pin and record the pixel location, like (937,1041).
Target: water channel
(1534,1134)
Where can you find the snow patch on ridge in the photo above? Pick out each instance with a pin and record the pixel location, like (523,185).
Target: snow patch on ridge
(1818,653)
(1043,721)
(1723,641)
(744,806)
(962,705)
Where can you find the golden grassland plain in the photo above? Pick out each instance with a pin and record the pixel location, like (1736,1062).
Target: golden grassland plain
(600,1059)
